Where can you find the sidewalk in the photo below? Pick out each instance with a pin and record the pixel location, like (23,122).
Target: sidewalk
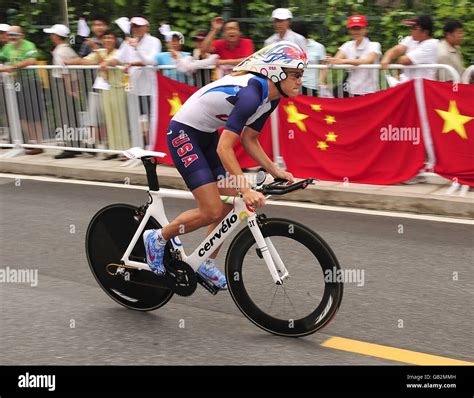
(421,198)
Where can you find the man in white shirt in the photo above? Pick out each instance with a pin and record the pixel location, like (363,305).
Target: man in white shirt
(65,82)
(140,50)
(62,50)
(282,21)
(359,51)
(419,48)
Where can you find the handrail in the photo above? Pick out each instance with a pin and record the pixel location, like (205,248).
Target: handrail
(466,76)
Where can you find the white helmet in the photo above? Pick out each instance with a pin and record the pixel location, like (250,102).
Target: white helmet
(270,60)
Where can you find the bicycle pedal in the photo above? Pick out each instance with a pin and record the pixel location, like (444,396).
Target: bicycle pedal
(207,285)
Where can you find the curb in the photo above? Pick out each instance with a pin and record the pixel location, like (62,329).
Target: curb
(389,198)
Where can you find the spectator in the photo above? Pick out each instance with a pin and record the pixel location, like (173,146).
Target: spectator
(198,63)
(281,22)
(419,48)
(198,39)
(3,39)
(449,50)
(232,49)
(100,24)
(140,50)
(64,84)
(18,54)
(316,55)
(113,100)
(175,40)
(359,51)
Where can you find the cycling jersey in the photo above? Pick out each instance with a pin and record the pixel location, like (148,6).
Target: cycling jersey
(232,102)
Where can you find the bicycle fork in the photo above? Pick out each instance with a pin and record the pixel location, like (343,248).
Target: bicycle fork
(269,253)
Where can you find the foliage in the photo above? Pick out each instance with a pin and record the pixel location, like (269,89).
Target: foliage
(326,18)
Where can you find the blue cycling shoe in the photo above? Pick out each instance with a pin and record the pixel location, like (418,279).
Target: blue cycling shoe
(155,251)
(211,273)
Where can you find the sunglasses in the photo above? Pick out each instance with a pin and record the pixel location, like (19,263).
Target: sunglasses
(296,75)
(14,34)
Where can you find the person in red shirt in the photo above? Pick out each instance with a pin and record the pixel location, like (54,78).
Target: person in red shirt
(232,49)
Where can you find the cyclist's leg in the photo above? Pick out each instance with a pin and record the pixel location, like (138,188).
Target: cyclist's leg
(226,209)
(189,149)
(223,183)
(209,211)
(185,146)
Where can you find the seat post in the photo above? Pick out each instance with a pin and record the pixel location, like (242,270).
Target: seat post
(150,167)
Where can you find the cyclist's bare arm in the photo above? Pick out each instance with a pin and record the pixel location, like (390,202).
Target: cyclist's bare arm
(225,150)
(249,141)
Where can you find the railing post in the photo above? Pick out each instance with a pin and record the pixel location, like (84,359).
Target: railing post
(466,76)
(13,116)
(277,158)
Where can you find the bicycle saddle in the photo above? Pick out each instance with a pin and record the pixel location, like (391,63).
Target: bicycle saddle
(137,153)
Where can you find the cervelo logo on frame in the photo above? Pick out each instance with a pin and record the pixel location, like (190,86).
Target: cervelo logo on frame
(224,228)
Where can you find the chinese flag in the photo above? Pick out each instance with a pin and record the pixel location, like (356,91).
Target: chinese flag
(373,139)
(451,117)
(171,96)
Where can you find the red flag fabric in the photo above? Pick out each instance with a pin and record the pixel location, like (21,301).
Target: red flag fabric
(451,117)
(373,139)
(171,96)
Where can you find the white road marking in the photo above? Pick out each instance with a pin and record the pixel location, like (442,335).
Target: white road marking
(301,205)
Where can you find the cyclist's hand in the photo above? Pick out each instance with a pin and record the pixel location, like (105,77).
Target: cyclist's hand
(253,199)
(285,175)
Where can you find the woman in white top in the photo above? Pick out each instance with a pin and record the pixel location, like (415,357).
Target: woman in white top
(359,51)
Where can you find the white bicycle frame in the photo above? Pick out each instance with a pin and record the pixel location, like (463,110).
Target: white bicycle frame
(241,212)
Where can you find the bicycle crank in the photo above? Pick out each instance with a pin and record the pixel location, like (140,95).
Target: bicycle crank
(179,277)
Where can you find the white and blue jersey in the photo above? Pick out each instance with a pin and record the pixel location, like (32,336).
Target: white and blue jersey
(232,102)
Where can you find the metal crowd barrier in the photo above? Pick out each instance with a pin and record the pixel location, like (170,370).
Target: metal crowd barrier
(467,77)
(80,108)
(338,87)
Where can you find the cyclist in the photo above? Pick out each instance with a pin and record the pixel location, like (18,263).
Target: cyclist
(241,103)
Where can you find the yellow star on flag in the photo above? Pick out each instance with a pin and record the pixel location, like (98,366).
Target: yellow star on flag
(453,120)
(331,136)
(294,116)
(316,107)
(175,104)
(330,119)
(322,145)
